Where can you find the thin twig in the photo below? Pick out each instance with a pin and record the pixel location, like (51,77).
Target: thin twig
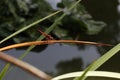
(51,42)
(33,70)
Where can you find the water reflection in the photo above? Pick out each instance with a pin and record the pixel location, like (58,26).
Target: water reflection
(54,59)
(58,59)
(54,3)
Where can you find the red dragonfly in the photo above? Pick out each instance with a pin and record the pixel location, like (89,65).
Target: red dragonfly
(47,36)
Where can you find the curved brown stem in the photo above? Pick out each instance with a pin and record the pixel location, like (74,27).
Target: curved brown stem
(51,42)
(33,70)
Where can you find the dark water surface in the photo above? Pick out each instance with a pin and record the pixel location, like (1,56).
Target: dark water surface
(58,59)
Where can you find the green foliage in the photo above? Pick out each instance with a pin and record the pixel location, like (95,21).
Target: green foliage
(79,20)
(76,20)
(20,13)
(27,27)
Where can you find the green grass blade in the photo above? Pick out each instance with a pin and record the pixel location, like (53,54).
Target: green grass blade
(105,57)
(83,76)
(4,71)
(27,27)
(51,27)
(101,60)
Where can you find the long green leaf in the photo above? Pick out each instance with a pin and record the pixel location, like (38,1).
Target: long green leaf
(101,60)
(27,27)
(51,28)
(4,71)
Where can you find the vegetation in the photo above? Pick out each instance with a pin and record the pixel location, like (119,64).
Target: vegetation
(20,13)
(66,23)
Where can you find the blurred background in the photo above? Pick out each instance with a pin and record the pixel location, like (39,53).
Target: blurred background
(91,20)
